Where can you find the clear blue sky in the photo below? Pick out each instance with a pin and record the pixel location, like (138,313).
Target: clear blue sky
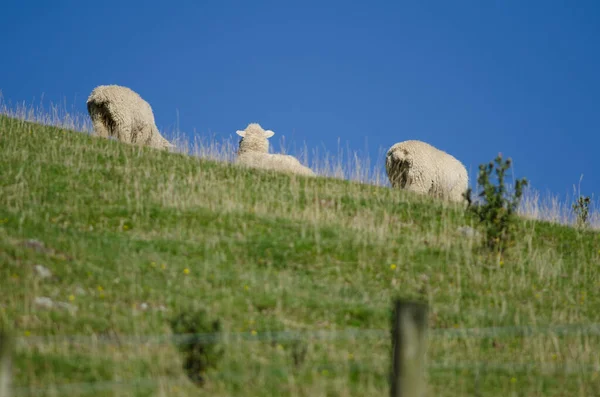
(473,78)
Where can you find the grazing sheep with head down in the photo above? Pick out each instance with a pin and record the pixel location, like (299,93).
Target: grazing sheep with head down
(121,113)
(253,151)
(419,167)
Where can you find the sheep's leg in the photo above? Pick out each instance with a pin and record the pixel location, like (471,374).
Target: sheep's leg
(120,122)
(146,135)
(417,188)
(123,131)
(456,194)
(100,129)
(417,183)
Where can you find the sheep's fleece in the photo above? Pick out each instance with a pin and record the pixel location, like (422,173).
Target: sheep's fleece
(419,167)
(253,151)
(121,113)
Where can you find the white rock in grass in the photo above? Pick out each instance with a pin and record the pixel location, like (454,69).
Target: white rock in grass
(44,302)
(47,303)
(42,271)
(67,306)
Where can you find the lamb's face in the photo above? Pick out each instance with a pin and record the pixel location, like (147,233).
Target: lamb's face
(254,139)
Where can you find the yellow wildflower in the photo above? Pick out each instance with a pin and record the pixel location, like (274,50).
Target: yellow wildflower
(393,266)
(186,271)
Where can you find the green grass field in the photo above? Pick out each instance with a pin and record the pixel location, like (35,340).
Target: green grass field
(134,237)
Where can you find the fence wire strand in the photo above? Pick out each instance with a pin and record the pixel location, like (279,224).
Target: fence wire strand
(85,388)
(287,336)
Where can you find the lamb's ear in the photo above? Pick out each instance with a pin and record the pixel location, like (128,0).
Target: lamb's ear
(269,133)
(241,133)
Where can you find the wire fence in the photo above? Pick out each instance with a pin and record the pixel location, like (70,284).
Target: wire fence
(287,336)
(83,388)
(86,388)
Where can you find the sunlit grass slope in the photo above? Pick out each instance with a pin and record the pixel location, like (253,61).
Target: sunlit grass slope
(134,236)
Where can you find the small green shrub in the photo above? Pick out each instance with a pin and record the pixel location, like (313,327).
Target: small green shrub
(582,210)
(497,212)
(198,338)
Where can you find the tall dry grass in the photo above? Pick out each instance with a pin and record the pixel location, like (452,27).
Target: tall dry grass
(345,163)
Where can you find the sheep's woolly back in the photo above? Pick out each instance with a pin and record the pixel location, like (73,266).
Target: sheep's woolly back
(275,162)
(253,152)
(121,113)
(417,166)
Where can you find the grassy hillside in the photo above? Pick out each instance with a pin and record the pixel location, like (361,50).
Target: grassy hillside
(133,237)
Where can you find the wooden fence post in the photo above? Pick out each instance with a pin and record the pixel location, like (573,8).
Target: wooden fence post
(409,343)
(5,364)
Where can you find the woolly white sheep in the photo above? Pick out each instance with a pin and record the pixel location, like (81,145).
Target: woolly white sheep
(253,151)
(419,167)
(121,113)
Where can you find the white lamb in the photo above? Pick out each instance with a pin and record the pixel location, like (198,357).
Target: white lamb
(253,151)
(419,167)
(121,113)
